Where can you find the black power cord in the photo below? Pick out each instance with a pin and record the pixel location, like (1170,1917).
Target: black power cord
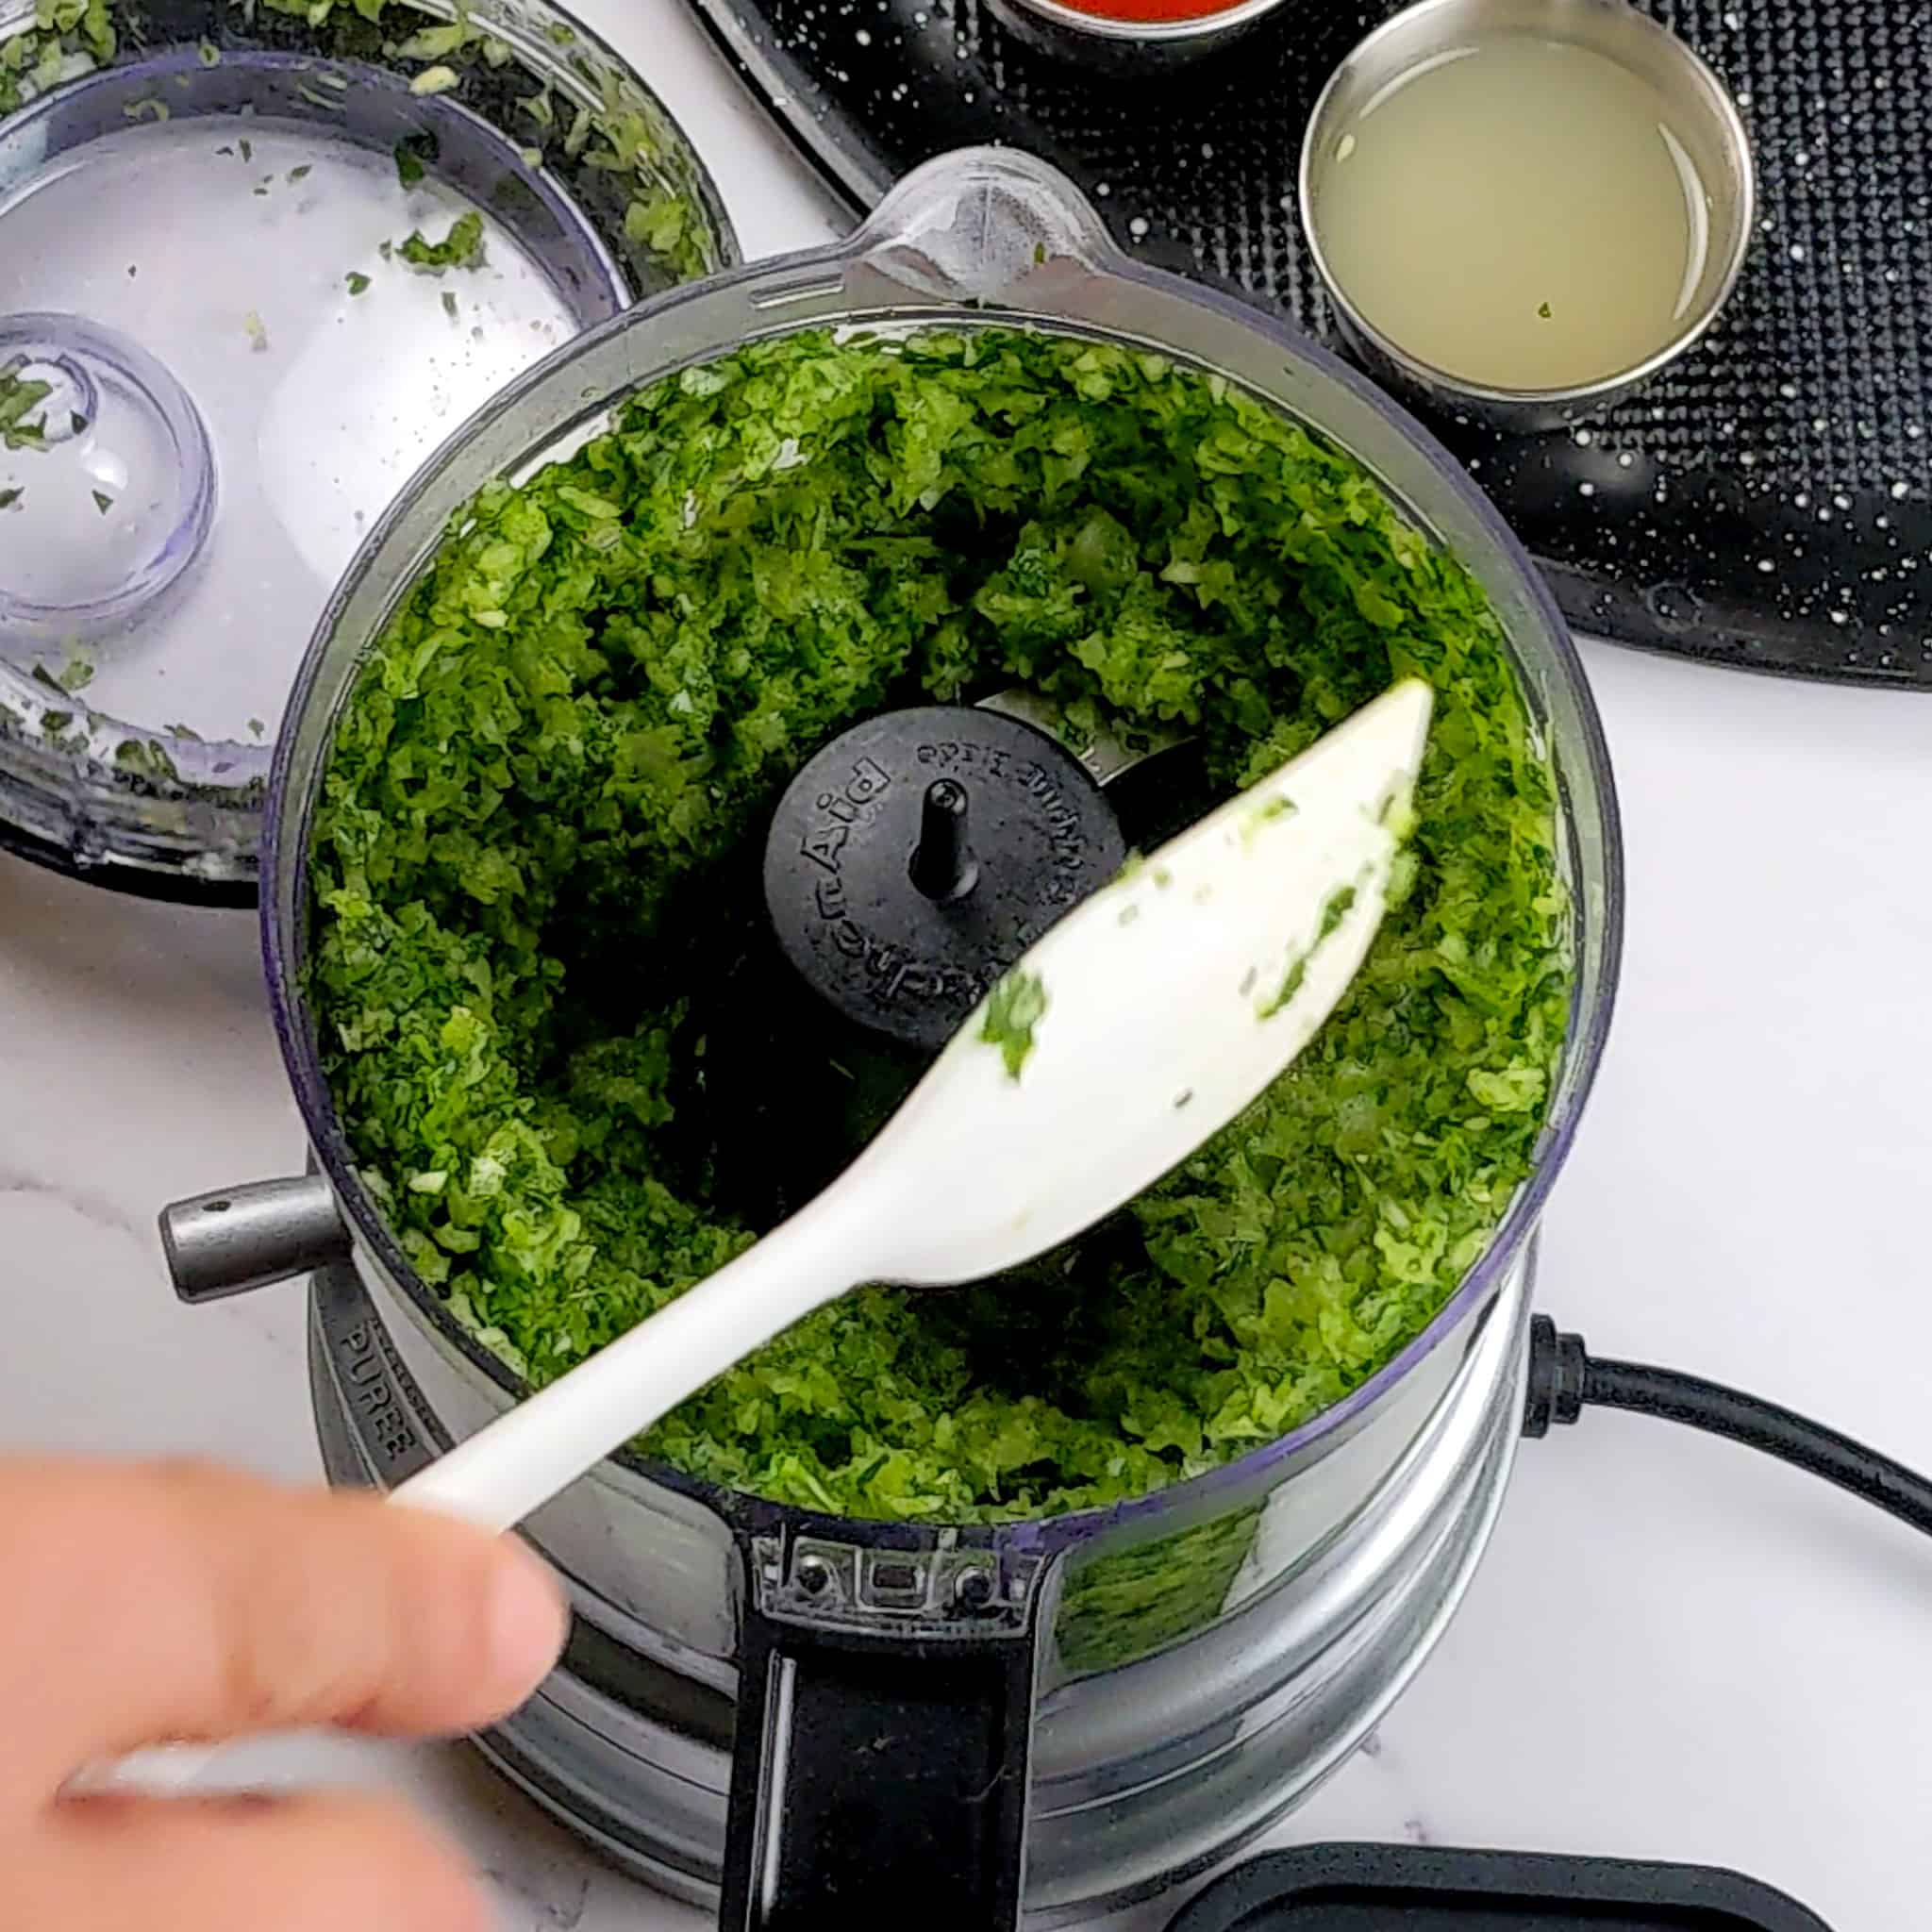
(1565,1379)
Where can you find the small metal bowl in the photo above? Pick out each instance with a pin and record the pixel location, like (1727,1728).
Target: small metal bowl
(1704,118)
(1127,47)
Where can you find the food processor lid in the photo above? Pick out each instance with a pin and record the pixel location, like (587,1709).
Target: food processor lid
(249,280)
(1351,1888)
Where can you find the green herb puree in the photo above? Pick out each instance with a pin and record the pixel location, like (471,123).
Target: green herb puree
(598,690)
(1013,1010)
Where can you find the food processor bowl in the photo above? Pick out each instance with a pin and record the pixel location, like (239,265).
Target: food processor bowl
(1065,1712)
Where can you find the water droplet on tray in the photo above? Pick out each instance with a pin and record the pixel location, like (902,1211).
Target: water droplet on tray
(1675,604)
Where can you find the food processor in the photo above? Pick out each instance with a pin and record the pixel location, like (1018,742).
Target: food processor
(789,1715)
(256,260)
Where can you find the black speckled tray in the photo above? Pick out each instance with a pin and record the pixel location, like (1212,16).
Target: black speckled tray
(1768,504)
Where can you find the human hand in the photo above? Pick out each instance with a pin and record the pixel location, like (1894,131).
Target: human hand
(168,1604)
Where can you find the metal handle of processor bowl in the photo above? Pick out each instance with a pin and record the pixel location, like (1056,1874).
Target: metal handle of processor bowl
(240,1239)
(880,1757)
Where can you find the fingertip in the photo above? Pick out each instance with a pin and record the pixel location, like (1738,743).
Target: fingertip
(426,1883)
(262,1608)
(529,1620)
(310,1862)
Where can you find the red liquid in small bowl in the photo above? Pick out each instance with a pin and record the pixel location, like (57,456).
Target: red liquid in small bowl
(1151,11)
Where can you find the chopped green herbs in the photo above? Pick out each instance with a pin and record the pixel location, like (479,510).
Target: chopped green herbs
(19,428)
(449,305)
(434,42)
(1335,908)
(56,41)
(1543,310)
(1013,1010)
(1290,985)
(103,501)
(257,727)
(416,155)
(256,331)
(1265,814)
(10,495)
(146,757)
(463,247)
(561,747)
(296,173)
(75,675)
(1130,1603)
(356,281)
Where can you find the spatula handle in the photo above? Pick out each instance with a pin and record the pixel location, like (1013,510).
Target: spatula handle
(500,1474)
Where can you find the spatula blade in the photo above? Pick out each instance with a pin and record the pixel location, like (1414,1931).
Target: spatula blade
(1157,1011)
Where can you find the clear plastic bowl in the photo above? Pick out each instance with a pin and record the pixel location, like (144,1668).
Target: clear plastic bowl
(204,264)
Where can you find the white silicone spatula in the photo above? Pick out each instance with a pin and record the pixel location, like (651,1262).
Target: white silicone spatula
(1142,1022)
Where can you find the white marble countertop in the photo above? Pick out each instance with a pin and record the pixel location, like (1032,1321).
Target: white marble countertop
(1675,1649)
